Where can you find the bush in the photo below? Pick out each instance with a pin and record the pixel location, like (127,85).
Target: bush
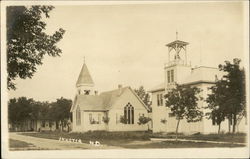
(123,120)
(143,120)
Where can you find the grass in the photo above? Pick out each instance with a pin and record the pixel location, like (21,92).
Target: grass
(18,144)
(101,136)
(142,139)
(238,137)
(179,144)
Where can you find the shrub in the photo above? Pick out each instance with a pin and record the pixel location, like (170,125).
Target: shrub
(143,120)
(105,120)
(123,120)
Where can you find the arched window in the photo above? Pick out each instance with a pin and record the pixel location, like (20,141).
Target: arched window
(129,114)
(78,116)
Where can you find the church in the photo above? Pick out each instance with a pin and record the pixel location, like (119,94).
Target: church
(92,111)
(178,70)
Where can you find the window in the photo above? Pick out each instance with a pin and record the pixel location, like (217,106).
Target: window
(78,116)
(172,75)
(50,124)
(129,114)
(43,123)
(99,118)
(86,92)
(168,76)
(116,117)
(159,99)
(90,118)
(170,115)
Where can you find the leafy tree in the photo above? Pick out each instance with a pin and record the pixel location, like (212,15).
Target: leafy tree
(60,111)
(230,92)
(27,41)
(182,101)
(145,97)
(216,103)
(19,110)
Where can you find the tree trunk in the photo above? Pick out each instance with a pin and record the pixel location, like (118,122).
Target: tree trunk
(219,129)
(229,125)
(234,123)
(176,131)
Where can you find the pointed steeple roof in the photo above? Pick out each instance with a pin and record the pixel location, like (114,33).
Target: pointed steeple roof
(84,77)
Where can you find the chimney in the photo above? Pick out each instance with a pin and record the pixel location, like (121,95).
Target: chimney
(120,89)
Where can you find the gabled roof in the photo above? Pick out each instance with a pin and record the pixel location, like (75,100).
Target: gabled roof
(110,97)
(90,102)
(84,77)
(102,102)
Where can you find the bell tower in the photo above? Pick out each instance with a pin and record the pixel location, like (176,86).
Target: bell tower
(177,67)
(85,84)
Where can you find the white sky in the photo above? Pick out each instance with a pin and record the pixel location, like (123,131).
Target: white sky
(125,44)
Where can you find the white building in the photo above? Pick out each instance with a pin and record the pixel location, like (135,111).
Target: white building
(177,70)
(91,110)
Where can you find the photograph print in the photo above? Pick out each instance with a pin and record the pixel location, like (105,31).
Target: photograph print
(121,76)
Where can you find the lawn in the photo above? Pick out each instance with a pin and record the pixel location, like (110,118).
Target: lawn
(142,139)
(238,137)
(18,144)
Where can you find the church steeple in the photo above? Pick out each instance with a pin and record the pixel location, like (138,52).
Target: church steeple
(177,68)
(85,83)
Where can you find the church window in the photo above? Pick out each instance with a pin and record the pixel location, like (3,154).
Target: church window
(129,114)
(168,76)
(172,75)
(78,116)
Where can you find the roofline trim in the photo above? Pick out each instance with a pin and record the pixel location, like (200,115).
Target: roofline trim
(188,83)
(139,98)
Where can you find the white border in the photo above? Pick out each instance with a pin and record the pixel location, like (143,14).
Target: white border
(122,153)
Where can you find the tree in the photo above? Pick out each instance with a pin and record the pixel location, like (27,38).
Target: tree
(234,91)
(19,110)
(60,111)
(27,42)
(144,96)
(216,103)
(182,101)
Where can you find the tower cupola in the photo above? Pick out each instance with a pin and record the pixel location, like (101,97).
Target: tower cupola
(85,84)
(177,47)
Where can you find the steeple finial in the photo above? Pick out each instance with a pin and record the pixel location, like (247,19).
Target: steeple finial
(176,35)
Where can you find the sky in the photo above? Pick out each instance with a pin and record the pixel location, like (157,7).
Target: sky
(125,44)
